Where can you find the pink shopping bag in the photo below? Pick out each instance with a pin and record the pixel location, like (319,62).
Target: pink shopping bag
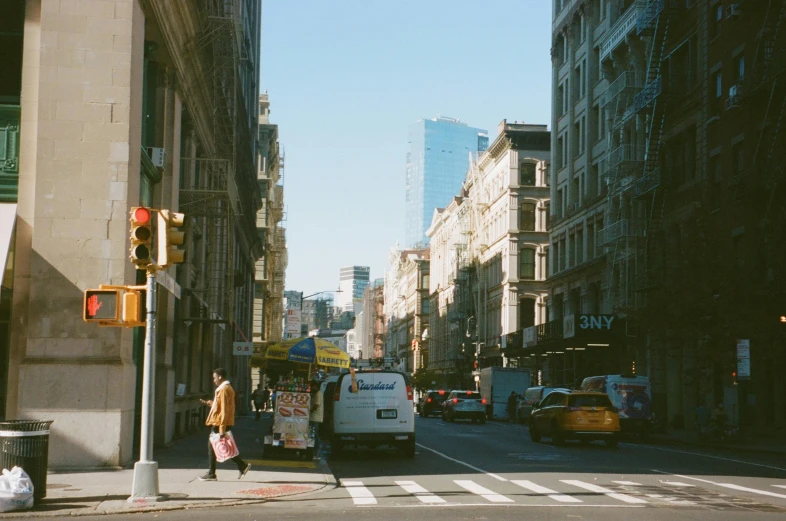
(225,448)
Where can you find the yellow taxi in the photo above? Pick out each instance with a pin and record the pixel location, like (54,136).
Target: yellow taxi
(577,415)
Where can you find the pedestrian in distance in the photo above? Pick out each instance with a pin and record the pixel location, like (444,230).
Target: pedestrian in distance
(317,414)
(221,419)
(259,399)
(512,406)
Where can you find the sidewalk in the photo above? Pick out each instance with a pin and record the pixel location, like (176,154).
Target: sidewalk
(755,444)
(81,493)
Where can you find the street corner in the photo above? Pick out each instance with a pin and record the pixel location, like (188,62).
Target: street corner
(278,490)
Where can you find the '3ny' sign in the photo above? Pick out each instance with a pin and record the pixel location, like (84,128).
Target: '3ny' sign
(595,321)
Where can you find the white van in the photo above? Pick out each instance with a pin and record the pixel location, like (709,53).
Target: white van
(380,412)
(631,395)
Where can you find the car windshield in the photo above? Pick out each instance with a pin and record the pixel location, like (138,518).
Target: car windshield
(589,400)
(436,395)
(468,395)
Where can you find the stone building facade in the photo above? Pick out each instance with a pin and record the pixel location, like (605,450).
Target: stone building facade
(124,103)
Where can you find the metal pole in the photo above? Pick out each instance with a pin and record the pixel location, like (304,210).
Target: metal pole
(145,487)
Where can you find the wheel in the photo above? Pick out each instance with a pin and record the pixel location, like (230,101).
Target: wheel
(557,437)
(336,447)
(482,419)
(444,418)
(452,418)
(612,442)
(534,435)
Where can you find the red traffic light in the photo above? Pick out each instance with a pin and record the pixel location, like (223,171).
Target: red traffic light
(142,215)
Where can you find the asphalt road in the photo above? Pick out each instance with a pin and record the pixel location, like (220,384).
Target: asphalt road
(466,471)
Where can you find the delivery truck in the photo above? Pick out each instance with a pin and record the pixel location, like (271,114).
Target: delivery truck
(496,384)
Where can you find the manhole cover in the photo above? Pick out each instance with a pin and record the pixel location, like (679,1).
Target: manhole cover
(278,490)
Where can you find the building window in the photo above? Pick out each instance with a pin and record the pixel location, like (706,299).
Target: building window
(527,217)
(739,65)
(579,246)
(526,313)
(527,263)
(527,174)
(738,158)
(546,215)
(716,17)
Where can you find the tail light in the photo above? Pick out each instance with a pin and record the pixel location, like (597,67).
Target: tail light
(428,400)
(455,400)
(483,401)
(409,393)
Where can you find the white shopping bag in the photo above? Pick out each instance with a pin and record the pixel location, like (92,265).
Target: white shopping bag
(16,490)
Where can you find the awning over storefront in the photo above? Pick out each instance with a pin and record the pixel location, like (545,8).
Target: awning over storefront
(7,221)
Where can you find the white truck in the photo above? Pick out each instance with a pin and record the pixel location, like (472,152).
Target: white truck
(631,395)
(496,384)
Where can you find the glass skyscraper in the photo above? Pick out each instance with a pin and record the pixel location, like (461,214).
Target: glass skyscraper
(437,163)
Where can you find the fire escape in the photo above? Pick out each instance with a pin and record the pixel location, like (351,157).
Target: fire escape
(632,102)
(209,191)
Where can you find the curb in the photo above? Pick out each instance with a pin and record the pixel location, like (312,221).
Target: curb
(327,475)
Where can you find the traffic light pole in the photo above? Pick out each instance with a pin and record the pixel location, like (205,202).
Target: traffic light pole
(145,487)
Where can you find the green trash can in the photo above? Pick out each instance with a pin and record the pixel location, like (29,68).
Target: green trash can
(25,444)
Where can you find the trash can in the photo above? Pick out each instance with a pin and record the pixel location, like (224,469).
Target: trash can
(25,443)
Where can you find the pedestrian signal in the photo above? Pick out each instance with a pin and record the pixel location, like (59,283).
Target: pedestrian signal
(100,305)
(141,236)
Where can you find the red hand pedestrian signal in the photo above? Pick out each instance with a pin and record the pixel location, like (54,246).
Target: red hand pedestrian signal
(101,305)
(93,305)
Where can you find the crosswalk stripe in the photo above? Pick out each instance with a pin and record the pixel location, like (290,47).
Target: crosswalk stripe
(780,486)
(631,483)
(594,488)
(360,494)
(482,491)
(754,490)
(419,492)
(676,484)
(553,494)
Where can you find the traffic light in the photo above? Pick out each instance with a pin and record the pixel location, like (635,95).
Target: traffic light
(100,305)
(141,236)
(169,238)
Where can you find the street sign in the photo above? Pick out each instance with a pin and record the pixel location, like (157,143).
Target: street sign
(171,285)
(743,359)
(101,305)
(242,348)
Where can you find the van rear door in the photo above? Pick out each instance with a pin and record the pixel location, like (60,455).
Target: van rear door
(353,412)
(393,411)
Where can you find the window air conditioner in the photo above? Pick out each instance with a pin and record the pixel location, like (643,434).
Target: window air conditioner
(157,156)
(733,11)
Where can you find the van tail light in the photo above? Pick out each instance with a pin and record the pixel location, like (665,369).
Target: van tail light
(409,393)
(483,401)
(455,400)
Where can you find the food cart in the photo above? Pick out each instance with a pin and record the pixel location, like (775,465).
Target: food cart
(295,360)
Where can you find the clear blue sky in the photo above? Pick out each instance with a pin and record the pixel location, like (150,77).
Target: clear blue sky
(346,78)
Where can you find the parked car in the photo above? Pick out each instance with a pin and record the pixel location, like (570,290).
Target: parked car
(575,415)
(464,405)
(431,402)
(532,397)
(378,410)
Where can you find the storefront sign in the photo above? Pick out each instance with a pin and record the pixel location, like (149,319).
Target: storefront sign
(530,336)
(595,321)
(743,359)
(569,326)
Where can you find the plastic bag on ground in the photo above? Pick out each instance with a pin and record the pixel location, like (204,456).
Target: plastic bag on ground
(16,490)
